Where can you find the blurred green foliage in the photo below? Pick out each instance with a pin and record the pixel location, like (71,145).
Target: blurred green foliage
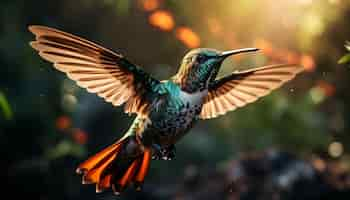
(5,106)
(345,58)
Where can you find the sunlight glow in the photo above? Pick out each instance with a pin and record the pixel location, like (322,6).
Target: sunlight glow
(313,25)
(334,1)
(305,2)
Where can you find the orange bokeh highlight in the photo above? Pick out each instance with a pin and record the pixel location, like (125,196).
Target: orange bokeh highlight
(63,122)
(215,27)
(188,37)
(327,88)
(149,5)
(80,136)
(308,63)
(292,58)
(319,164)
(162,19)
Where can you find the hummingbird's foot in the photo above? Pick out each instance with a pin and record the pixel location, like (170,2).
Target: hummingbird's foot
(157,153)
(167,153)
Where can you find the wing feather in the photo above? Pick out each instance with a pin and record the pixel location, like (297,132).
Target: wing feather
(241,88)
(95,68)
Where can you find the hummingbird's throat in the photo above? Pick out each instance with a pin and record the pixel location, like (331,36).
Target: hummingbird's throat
(212,75)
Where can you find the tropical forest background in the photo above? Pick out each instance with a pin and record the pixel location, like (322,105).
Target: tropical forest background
(292,144)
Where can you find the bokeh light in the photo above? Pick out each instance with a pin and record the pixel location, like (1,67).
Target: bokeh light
(215,27)
(264,45)
(149,5)
(308,63)
(319,164)
(327,88)
(293,58)
(335,149)
(321,91)
(188,37)
(63,123)
(162,19)
(80,136)
(69,102)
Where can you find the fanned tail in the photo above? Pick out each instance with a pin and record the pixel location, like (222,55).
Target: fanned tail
(117,166)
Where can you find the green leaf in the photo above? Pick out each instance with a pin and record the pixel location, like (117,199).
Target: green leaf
(344,59)
(347,45)
(5,106)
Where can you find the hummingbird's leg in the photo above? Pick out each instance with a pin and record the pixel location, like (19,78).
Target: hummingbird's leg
(169,152)
(157,154)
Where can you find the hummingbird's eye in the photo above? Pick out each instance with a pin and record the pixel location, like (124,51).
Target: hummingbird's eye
(200,58)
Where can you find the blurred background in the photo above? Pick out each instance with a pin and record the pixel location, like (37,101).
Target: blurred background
(292,144)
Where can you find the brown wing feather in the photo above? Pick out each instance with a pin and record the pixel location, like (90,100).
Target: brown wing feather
(242,88)
(93,67)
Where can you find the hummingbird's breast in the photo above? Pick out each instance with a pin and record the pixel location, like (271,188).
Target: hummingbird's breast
(173,116)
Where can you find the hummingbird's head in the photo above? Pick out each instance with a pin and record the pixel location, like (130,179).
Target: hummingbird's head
(200,66)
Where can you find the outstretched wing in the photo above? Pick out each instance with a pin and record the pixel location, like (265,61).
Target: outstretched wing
(241,88)
(96,68)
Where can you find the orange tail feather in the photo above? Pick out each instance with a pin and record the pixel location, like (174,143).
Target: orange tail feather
(97,158)
(115,167)
(141,174)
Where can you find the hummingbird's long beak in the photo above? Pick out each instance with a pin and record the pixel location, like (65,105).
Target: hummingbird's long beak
(226,54)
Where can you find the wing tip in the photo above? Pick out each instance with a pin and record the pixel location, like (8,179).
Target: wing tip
(35,28)
(299,68)
(34,45)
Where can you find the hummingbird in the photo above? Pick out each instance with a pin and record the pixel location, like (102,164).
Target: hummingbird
(165,109)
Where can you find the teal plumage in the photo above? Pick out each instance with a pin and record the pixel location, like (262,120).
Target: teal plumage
(165,110)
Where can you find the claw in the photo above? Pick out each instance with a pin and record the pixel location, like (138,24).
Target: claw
(167,153)
(157,154)
(171,152)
